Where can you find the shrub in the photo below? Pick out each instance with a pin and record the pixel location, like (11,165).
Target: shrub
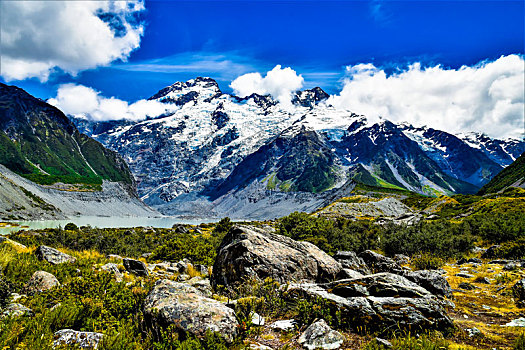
(426,261)
(519,343)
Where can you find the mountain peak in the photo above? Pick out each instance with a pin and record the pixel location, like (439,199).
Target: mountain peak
(183,92)
(309,97)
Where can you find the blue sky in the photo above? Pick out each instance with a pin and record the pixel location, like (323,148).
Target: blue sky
(225,39)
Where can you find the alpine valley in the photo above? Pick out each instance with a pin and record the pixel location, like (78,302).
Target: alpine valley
(217,155)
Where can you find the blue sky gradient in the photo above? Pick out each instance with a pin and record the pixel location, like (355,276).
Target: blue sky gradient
(225,39)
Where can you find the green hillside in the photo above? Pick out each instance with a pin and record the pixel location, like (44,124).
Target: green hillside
(513,175)
(39,142)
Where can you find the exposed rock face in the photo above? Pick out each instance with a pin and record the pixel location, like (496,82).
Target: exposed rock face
(252,252)
(379,302)
(319,335)
(40,281)
(135,267)
(53,255)
(185,307)
(350,260)
(16,310)
(83,340)
(432,281)
(380,263)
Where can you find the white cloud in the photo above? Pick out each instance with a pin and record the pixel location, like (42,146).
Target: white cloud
(279,83)
(487,97)
(40,36)
(85,102)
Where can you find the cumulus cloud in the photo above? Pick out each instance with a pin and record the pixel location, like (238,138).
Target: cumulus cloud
(39,37)
(85,102)
(279,83)
(487,97)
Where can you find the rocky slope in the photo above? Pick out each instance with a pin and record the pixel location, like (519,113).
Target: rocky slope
(219,154)
(23,199)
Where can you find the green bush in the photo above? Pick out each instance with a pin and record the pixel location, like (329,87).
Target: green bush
(426,261)
(519,343)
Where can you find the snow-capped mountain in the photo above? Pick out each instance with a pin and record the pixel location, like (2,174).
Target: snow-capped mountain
(218,154)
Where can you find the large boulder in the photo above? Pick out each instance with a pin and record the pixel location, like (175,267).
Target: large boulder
(136,267)
(248,251)
(76,339)
(53,255)
(380,263)
(431,280)
(319,335)
(40,281)
(378,302)
(181,305)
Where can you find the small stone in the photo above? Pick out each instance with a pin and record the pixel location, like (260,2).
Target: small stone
(113,268)
(511,266)
(16,310)
(467,286)
(464,275)
(519,322)
(257,346)
(483,280)
(183,277)
(473,332)
(384,343)
(283,325)
(83,340)
(257,319)
(320,336)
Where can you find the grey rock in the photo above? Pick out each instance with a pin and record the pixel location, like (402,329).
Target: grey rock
(257,319)
(39,282)
(467,286)
(252,252)
(518,289)
(113,268)
(350,260)
(183,277)
(320,336)
(146,255)
(432,281)
(384,343)
(283,325)
(511,266)
(490,253)
(83,340)
(380,263)
(349,273)
(202,285)
(53,255)
(16,310)
(135,267)
(180,228)
(473,332)
(202,269)
(11,242)
(378,302)
(464,275)
(188,310)
(483,280)
(401,259)
(257,346)
(114,256)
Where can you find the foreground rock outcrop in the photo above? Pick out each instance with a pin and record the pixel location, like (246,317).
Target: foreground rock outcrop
(380,302)
(248,251)
(181,305)
(319,335)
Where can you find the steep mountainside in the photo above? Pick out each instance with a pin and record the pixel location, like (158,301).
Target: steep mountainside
(216,151)
(511,176)
(40,143)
